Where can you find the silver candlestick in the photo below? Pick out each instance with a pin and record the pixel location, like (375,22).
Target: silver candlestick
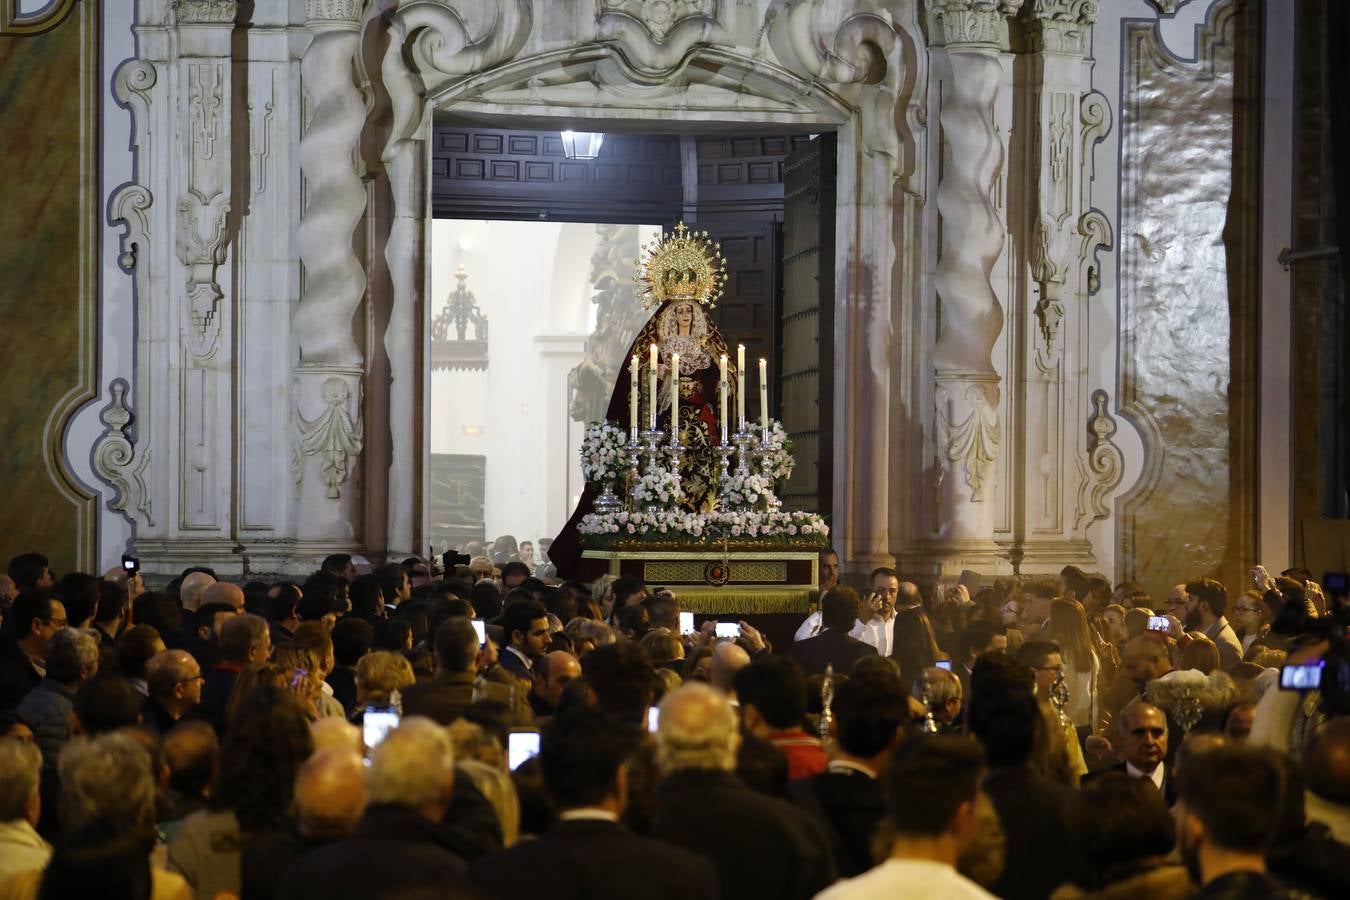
(634,453)
(930,724)
(826,724)
(724,453)
(745,442)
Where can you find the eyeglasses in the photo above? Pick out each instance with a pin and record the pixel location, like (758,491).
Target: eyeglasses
(1177,601)
(57,623)
(1245,609)
(191,678)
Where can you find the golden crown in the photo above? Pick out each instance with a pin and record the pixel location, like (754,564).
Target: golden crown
(682,265)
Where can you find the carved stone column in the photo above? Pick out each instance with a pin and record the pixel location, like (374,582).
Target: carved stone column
(968,433)
(328,435)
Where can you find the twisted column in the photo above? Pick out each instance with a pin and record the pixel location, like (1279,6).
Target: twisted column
(967,428)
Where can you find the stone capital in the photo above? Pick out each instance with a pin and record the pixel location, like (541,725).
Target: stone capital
(1060,26)
(206,12)
(971,23)
(334,13)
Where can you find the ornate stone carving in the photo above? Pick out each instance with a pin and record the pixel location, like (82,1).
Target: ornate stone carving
(200,241)
(460,311)
(205,12)
(971,22)
(1094,113)
(116,461)
(657,35)
(1061,26)
(129,205)
(205,99)
(334,436)
(1095,231)
(968,432)
(260,136)
(1045,271)
(659,17)
(439,43)
(133,83)
(1168,7)
(855,52)
(333,13)
(1105,463)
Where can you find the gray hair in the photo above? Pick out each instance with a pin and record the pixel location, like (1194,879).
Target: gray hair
(239,635)
(106,777)
(413,765)
(697,729)
(21,761)
(70,652)
(942,686)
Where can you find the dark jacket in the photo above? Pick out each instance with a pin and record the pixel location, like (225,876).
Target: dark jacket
(1040,854)
(761,847)
(833,646)
(443,699)
(1163,882)
(17,675)
(850,806)
(48,709)
(216,690)
(343,682)
(1168,788)
(514,664)
(594,860)
(267,856)
(1247,886)
(393,850)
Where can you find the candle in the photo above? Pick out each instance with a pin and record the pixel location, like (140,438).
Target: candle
(674,398)
(633,395)
(764,397)
(740,386)
(651,383)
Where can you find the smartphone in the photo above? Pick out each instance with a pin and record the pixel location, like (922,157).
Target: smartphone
(130,564)
(653,718)
(728,630)
(521,746)
(1160,623)
(686,623)
(1304,677)
(943,664)
(1334,583)
(377,722)
(481,627)
(298,678)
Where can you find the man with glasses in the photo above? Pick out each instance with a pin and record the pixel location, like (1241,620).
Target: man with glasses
(35,617)
(175,682)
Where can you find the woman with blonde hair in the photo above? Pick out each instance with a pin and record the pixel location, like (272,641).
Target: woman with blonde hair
(378,676)
(1068,627)
(1200,654)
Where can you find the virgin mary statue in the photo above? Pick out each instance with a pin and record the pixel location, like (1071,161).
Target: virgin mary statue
(681,276)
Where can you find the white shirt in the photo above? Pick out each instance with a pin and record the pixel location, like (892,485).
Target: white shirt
(810,628)
(920,879)
(1156,776)
(878,632)
(589,813)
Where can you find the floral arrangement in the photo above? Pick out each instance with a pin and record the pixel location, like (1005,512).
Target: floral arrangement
(749,490)
(771,526)
(777,460)
(661,486)
(603,456)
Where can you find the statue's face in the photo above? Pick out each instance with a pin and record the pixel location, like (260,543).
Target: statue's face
(684,316)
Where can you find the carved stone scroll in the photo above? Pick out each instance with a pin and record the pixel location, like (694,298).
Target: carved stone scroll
(1104,463)
(117,462)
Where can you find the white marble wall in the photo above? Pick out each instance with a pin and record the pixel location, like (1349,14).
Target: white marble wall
(977,188)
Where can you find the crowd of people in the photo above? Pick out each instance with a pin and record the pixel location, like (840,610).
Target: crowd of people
(487,732)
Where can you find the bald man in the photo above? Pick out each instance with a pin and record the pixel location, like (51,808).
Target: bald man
(552,672)
(8,591)
(330,796)
(192,588)
(223,592)
(174,680)
(728,658)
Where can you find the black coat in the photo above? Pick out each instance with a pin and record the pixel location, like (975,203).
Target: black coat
(392,852)
(1168,788)
(833,646)
(850,806)
(593,860)
(17,675)
(762,848)
(1041,854)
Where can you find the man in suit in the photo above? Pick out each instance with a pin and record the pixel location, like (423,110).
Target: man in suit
(847,798)
(761,847)
(834,645)
(552,672)
(34,618)
(977,639)
(1143,743)
(586,854)
(445,698)
(525,625)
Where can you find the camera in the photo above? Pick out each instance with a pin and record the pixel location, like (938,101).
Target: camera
(130,564)
(450,559)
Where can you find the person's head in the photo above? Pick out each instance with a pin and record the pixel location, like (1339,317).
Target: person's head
(352,639)
(868,712)
(1226,799)
(662,647)
(1111,623)
(1326,762)
(1145,658)
(552,673)
(1038,597)
(367,597)
(80,595)
(330,793)
(1237,725)
(582,757)
(1068,627)
(106,703)
(379,675)
(664,608)
(267,741)
(944,693)
(829,569)
(728,658)
(627,591)
(340,565)
(414,767)
(106,778)
(282,604)
(8,591)
(1250,614)
(175,680)
(20,799)
(72,656)
(210,617)
(979,638)
(839,607)
(36,616)
(1046,660)
(1001,710)
(1073,582)
(621,679)
(696,729)
(314,637)
(29,571)
(931,789)
(245,639)
(1121,821)
(915,646)
(394,583)
(632,621)
(1143,735)
(135,647)
(457,646)
(885,584)
(191,751)
(1200,654)
(772,693)
(191,589)
(513,573)
(158,610)
(1208,598)
(525,623)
